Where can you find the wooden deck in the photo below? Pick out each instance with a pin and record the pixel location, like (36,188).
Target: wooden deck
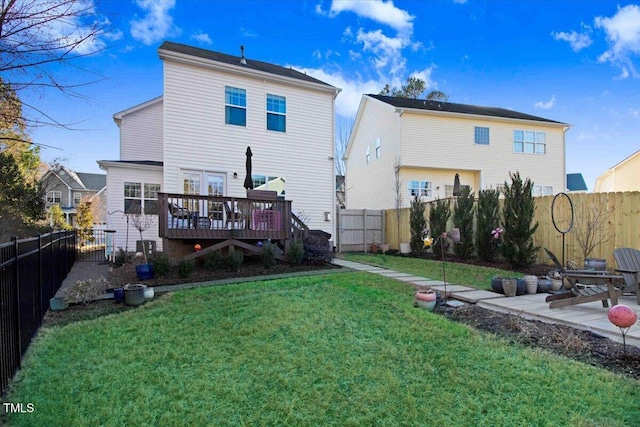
(195,217)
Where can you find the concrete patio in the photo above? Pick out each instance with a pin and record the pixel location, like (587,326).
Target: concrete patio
(588,316)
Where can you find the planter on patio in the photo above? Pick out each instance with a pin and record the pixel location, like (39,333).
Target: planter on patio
(144,271)
(510,286)
(531,283)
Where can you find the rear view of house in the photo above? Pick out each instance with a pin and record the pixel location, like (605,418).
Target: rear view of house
(192,141)
(428,142)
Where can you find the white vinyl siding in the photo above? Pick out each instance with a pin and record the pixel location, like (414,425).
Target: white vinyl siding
(197,139)
(434,146)
(115,205)
(373,186)
(141,133)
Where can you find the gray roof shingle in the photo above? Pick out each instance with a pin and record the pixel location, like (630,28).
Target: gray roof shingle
(93,181)
(450,107)
(235,60)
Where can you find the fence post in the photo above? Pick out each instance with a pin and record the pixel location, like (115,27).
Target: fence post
(17,300)
(364,228)
(39,289)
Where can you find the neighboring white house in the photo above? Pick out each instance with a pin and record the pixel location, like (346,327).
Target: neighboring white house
(192,139)
(428,142)
(623,176)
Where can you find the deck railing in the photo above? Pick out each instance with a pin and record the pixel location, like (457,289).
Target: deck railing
(189,216)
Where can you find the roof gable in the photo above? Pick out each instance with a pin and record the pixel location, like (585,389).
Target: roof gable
(251,64)
(450,107)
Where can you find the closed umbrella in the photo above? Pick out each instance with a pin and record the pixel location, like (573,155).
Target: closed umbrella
(456,185)
(248,182)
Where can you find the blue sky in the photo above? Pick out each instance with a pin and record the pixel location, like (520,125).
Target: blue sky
(572,61)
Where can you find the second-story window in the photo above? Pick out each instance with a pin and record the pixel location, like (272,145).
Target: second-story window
(77,198)
(276,113)
(235,106)
(54,197)
(482,135)
(525,141)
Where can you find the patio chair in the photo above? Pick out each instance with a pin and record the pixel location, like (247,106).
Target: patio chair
(628,261)
(580,293)
(179,213)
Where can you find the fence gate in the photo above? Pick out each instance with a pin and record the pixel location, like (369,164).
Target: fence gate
(90,245)
(358,228)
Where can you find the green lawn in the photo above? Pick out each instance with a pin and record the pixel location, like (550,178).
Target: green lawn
(343,349)
(457,273)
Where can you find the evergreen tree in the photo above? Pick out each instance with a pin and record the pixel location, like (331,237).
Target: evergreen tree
(487,221)
(438,217)
(519,208)
(463,213)
(417,223)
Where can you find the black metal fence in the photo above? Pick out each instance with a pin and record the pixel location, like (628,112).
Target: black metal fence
(90,245)
(31,271)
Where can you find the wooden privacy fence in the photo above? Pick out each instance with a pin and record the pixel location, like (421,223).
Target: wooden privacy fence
(619,228)
(358,228)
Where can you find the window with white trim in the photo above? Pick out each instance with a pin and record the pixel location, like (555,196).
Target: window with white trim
(54,197)
(530,142)
(481,135)
(138,195)
(368,155)
(235,106)
(77,198)
(276,113)
(542,190)
(151,198)
(419,188)
(378,149)
(448,190)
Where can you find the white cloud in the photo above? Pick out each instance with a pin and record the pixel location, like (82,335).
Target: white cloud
(156,24)
(634,113)
(578,41)
(622,32)
(201,37)
(248,33)
(377,10)
(545,105)
(425,75)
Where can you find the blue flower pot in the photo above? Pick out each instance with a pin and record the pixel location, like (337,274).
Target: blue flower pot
(118,295)
(144,271)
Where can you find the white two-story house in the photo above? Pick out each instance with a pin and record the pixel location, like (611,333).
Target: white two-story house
(428,142)
(193,141)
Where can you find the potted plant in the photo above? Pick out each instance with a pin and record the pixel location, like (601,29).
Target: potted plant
(134,294)
(142,222)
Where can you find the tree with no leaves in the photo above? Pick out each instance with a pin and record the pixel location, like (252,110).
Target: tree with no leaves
(36,37)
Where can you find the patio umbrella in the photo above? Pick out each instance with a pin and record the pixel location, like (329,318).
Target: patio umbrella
(248,182)
(456,185)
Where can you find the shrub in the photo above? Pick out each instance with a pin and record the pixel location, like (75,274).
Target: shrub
(438,217)
(488,220)
(161,264)
(213,261)
(317,249)
(519,208)
(417,224)
(185,268)
(463,213)
(268,255)
(123,257)
(296,253)
(235,260)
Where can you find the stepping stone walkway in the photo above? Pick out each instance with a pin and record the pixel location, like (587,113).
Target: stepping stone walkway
(458,292)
